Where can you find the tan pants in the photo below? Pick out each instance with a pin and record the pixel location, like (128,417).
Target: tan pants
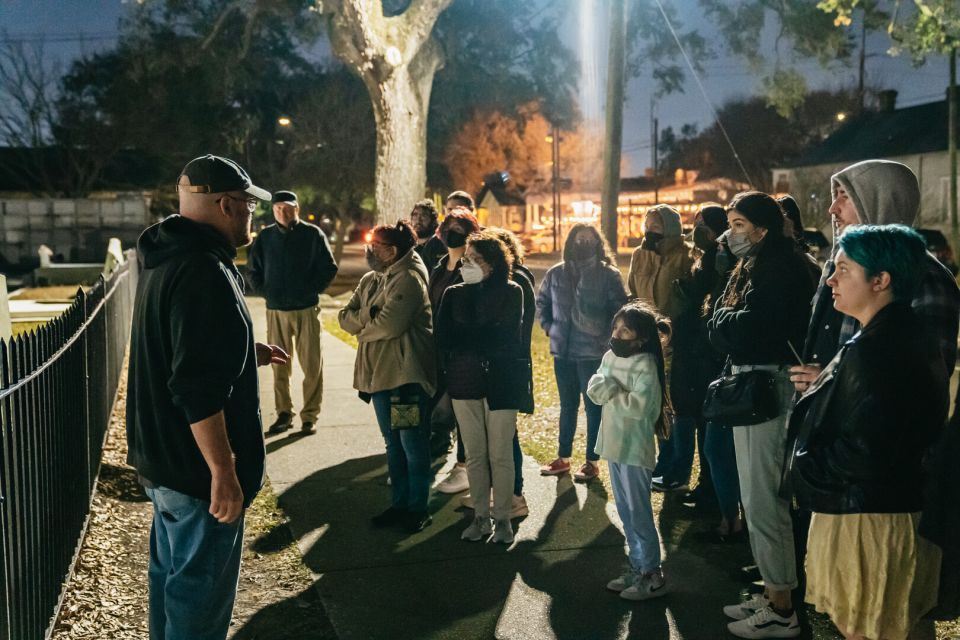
(488,439)
(303,327)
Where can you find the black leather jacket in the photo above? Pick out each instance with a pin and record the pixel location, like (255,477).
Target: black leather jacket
(865,424)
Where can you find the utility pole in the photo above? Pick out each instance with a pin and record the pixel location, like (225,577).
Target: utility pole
(614,122)
(555,155)
(952,143)
(655,161)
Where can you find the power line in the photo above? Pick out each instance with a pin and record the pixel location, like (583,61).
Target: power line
(703,91)
(41,38)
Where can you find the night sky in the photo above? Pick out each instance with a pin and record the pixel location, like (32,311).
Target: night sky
(75,27)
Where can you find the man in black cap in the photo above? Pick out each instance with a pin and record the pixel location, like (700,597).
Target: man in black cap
(291,264)
(193,407)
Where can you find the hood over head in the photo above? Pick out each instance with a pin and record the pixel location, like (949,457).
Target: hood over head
(177,235)
(670,218)
(883,191)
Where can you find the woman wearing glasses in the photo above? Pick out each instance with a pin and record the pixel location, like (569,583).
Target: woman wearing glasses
(396,365)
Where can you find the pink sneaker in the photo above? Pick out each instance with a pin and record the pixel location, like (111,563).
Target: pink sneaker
(555,468)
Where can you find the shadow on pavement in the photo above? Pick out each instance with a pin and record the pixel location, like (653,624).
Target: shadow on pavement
(550,584)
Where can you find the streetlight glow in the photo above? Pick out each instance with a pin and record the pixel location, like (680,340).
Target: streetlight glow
(284,121)
(841,116)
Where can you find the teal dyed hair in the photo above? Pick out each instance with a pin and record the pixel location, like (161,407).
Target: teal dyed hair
(893,248)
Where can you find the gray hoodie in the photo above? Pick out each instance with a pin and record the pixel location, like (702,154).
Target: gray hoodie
(883,191)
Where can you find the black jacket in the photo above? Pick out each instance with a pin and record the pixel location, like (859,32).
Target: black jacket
(523,277)
(191,355)
(775,288)
(865,424)
(291,267)
(695,363)
(478,330)
(431,251)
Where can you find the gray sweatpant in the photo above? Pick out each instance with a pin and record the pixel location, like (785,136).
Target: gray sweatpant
(760,450)
(488,440)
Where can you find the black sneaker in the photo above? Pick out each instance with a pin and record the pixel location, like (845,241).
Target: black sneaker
(416,521)
(390,517)
(283,422)
(308,428)
(669,487)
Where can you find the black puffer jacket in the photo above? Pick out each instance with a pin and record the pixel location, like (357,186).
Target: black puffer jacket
(479,333)
(866,423)
(773,306)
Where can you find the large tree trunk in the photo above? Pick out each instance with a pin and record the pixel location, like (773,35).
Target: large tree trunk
(400,106)
(396,58)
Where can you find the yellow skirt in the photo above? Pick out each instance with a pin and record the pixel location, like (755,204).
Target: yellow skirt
(871,572)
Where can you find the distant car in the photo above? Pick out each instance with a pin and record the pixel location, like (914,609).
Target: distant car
(538,241)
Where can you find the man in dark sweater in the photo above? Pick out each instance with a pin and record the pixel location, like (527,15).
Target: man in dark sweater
(193,409)
(429,247)
(291,264)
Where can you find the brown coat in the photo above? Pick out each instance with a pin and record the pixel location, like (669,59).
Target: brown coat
(396,346)
(652,273)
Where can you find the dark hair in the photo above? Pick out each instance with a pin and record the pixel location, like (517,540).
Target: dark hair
(467,220)
(494,252)
(894,248)
(427,205)
(399,235)
(509,238)
(462,198)
(654,331)
(760,209)
(714,216)
(604,254)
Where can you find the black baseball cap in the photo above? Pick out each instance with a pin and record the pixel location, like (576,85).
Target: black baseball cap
(284,196)
(215,174)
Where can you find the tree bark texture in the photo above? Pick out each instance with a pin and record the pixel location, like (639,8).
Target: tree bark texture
(396,58)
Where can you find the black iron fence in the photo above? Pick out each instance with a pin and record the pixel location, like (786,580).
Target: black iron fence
(57,388)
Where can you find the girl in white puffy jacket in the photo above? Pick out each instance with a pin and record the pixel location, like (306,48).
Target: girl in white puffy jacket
(630,387)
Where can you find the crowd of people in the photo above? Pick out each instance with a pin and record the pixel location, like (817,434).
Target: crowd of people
(817,397)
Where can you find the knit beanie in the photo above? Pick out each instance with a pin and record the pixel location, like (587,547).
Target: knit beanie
(670,218)
(760,209)
(715,217)
(883,191)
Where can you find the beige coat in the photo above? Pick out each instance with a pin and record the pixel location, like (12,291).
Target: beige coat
(652,273)
(395,347)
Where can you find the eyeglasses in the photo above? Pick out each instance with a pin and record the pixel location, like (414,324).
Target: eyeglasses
(251,202)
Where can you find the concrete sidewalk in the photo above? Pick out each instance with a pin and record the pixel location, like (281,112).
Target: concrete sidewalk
(549,584)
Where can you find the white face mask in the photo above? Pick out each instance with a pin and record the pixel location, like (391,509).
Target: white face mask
(471,273)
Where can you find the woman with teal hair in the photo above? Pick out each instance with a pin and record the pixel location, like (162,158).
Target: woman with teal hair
(864,425)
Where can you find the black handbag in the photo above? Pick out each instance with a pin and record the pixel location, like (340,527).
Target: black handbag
(739,399)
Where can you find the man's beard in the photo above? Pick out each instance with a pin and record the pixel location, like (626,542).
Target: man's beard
(424,233)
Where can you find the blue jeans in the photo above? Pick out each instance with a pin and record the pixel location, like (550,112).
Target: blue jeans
(675,461)
(631,492)
(572,377)
(408,455)
(719,449)
(194,567)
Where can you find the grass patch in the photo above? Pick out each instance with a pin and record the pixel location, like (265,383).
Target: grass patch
(65,293)
(22,328)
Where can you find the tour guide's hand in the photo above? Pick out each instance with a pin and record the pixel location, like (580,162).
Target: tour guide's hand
(226,497)
(802,376)
(271,354)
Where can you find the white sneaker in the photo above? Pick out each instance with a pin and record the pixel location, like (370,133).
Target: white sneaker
(456,481)
(479,529)
(626,579)
(746,609)
(765,623)
(518,507)
(647,586)
(502,532)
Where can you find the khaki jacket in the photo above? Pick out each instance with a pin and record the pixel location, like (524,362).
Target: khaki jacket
(396,346)
(652,273)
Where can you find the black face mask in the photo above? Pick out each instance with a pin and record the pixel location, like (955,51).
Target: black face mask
(624,348)
(453,239)
(581,251)
(651,240)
